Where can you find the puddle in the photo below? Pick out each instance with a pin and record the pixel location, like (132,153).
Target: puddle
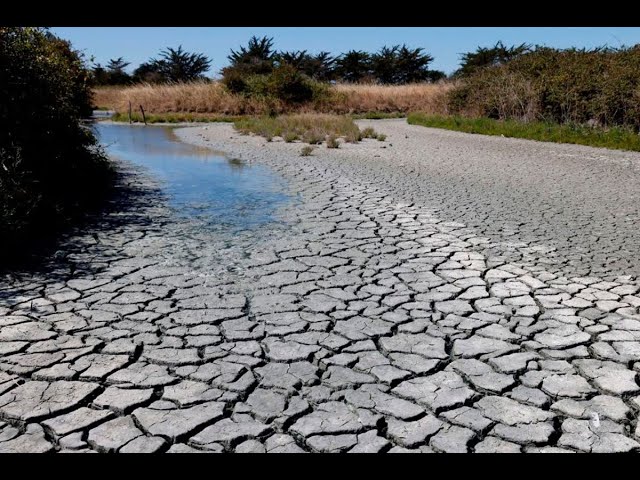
(199,183)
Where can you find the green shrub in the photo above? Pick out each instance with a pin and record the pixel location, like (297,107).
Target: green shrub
(313,137)
(283,83)
(290,137)
(369,133)
(306,151)
(51,167)
(235,80)
(600,86)
(381,137)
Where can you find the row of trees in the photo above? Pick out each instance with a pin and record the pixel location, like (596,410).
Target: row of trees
(397,64)
(173,65)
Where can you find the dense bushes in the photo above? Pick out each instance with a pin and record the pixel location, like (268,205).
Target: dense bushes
(599,87)
(50,165)
(258,71)
(284,83)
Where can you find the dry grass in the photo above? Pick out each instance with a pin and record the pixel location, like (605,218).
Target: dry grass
(423,97)
(197,97)
(213,98)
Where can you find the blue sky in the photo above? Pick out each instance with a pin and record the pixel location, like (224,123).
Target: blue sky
(137,44)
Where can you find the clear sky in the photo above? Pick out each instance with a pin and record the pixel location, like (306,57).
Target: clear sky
(138,44)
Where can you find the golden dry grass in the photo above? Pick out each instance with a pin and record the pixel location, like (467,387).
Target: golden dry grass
(197,97)
(423,97)
(213,98)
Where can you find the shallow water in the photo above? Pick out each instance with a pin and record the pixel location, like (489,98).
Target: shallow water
(199,183)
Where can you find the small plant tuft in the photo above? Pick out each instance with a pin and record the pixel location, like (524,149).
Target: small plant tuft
(332,142)
(306,151)
(312,137)
(369,133)
(290,137)
(381,137)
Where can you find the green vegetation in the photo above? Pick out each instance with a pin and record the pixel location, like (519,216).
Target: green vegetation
(371,133)
(600,87)
(284,83)
(172,117)
(51,167)
(312,129)
(377,115)
(187,117)
(620,138)
(258,71)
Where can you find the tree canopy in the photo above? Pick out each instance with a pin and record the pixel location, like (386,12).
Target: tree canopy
(499,54)
(174,65)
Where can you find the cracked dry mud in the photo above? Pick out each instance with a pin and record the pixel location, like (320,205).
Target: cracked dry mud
(363,320)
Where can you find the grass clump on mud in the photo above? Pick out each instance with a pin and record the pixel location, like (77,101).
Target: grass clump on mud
(51,166)
(308,128)
(306,151)
(620,138)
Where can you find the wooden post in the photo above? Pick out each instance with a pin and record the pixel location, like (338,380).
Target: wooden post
(130,121)
(144,119)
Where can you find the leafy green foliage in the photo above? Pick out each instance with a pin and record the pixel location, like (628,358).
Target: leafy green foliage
(600,86)
(51,167)
(284,83)
(256,59)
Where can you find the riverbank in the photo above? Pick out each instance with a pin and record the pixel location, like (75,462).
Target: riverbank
(618,138)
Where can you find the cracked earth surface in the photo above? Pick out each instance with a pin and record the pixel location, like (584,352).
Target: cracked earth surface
(368,318)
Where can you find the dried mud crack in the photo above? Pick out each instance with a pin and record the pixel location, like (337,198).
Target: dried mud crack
(388,310)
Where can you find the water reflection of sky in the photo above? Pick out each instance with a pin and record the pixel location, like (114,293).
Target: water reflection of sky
(198,182)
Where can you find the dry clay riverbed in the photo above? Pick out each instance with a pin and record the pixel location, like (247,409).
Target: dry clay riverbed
(437,292)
